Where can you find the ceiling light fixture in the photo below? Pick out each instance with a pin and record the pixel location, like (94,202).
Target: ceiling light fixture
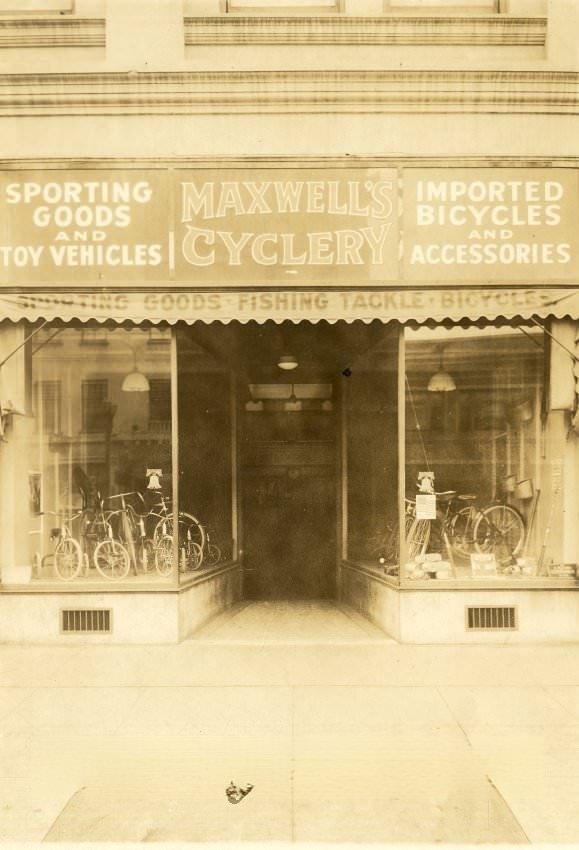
(441,381)
(135,381)
(287,362)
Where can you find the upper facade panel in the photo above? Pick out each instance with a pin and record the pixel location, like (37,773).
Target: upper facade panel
(47,35)
(82,57)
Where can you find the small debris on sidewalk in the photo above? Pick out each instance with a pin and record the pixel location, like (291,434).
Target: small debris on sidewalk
(236,793)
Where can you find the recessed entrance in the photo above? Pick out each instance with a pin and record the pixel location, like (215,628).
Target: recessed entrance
(292,385)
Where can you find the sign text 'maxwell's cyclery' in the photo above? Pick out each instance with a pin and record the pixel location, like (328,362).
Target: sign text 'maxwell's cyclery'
(211,202)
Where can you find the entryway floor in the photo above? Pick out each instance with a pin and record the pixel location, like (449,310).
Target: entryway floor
(291,622)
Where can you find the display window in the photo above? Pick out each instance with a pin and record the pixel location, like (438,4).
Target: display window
(97,454)
(478,448)
(415,453)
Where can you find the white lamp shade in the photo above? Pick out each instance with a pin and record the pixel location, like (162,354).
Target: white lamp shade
(287,362)
(441,382)
(135,382)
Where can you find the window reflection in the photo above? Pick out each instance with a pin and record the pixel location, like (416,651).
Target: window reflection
(96,436)
(473,452)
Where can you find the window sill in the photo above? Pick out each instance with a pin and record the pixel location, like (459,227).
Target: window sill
(56,30)
(439,585)
(153,583)
(205,574)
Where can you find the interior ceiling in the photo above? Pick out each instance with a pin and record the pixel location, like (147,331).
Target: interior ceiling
(322,350)
(471,355)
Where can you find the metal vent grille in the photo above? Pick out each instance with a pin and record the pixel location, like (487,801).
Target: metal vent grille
(491,619)
(86,620)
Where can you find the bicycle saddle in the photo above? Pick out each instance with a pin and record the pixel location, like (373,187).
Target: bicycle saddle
(446,495)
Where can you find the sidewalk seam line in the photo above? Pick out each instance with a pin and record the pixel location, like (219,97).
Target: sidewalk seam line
(453,715)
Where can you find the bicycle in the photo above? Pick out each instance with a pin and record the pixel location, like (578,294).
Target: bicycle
(70,557)
(67,557)
(109,555)
(498,529)
(133,532)
(386,546)
(211,553)
(147,551)
(190,554)
(191,537)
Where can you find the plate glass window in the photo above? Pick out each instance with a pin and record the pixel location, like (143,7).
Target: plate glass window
(478,487)
(84,460)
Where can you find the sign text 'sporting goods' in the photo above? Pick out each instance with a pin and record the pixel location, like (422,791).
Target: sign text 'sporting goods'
(347,227)
(494,224)
(80,226)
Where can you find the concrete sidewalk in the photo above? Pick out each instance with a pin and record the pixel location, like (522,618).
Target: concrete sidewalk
(345,735)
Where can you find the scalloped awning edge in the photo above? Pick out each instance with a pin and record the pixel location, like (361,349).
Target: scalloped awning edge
(402,305)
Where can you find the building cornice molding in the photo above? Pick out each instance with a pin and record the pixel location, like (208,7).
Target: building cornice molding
(52,32)
(228,92)
(400,160)
(496,30)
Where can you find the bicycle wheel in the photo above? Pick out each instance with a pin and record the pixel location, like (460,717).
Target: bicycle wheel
(417,538)
(190,556)
(500,529)
(67,558)
(189,529)
(212,554)
(164,555)
(112,559)
(461,532)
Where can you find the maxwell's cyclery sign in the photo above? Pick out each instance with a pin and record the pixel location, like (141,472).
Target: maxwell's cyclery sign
(285,227)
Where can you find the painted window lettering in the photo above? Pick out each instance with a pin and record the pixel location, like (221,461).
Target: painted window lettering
(275,203)
(506,253)
(210,199)
(77,192)
(202,247)
(72,255)
(489,203)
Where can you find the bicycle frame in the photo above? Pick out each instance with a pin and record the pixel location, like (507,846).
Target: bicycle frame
(67,556)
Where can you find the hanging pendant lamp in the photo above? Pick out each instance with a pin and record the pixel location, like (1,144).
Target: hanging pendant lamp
(293,403)
(287,362)
(441,381)
(135,381)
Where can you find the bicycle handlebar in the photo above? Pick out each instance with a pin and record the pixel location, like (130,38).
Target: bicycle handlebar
(122,495)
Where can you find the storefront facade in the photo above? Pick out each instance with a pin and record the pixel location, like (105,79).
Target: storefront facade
(345,361)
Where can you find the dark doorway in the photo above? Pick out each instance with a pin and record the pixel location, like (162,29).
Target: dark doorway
(289,505)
